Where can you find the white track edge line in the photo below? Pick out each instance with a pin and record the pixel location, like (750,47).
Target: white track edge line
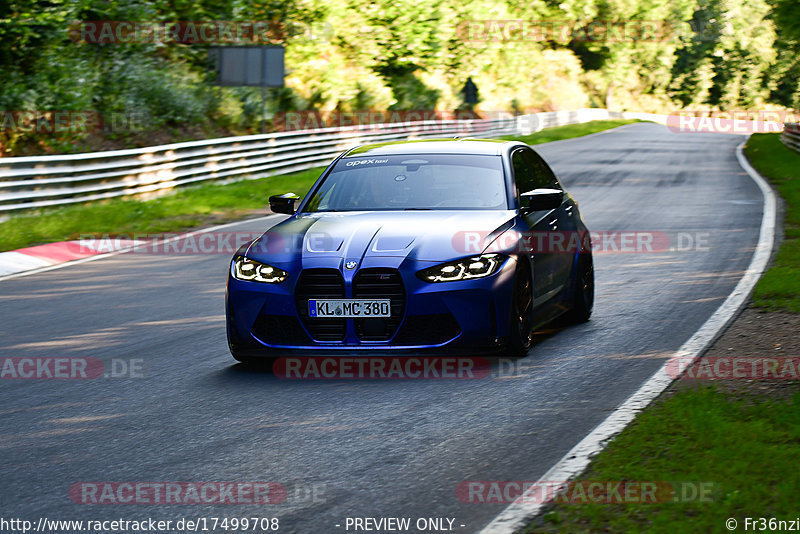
(128,249)
(517,515)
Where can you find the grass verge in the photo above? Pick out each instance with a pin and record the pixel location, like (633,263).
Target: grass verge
(739,439)
(779,288)
(745,449)
(191,207)
(569,131)
(181,209)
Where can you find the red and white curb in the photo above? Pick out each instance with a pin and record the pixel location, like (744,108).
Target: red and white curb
(42,256)
(32,260)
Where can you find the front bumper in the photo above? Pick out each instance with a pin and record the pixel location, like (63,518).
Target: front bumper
(469,316)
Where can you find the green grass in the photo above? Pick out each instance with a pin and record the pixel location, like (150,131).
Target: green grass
(747,450)
(569,131)
(191,207)
(779,288)
(746,446)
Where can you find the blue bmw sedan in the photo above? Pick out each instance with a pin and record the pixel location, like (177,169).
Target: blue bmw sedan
(463,246)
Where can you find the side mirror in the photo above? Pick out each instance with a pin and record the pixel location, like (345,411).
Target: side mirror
(541,199)
(283,203)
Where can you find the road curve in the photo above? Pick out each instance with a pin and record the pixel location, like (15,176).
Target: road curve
(362,448)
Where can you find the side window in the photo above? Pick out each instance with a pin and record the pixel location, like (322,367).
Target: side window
(523,172)
(542,174)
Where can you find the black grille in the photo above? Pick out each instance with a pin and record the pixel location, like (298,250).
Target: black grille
(428,329)
(279,330)
(320,284)
(379,284)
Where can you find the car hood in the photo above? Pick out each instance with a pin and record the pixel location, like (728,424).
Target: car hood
(433,236)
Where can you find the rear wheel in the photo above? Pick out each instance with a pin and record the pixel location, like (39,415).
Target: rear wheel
(582,290)
(521,324)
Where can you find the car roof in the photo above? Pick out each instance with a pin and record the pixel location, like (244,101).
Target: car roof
(486,147)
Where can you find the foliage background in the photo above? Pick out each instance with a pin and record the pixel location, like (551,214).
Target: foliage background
(389,54)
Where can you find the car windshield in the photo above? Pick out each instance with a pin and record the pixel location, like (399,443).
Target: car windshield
(412,182)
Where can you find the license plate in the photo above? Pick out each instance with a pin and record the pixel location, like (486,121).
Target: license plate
(349,308)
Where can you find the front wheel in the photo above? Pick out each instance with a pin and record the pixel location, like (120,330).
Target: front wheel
(582,290)
(243,358)
(250,357)
(521,324)
(254,362)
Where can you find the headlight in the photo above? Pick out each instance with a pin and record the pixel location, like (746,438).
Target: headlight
(246,269)
(463,269)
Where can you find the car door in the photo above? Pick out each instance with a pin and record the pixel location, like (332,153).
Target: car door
(562,225)
(539,224)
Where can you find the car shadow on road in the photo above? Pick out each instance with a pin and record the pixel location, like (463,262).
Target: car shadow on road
(271,371)
(349,369)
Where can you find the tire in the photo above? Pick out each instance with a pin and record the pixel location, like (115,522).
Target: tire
(248,359)
(582,290)
(244,353)
(520,339)
(242,358)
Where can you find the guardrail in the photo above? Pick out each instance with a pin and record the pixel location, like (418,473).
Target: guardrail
(791,135)
(42,181)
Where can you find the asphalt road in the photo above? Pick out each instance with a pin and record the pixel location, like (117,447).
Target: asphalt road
(371,448)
